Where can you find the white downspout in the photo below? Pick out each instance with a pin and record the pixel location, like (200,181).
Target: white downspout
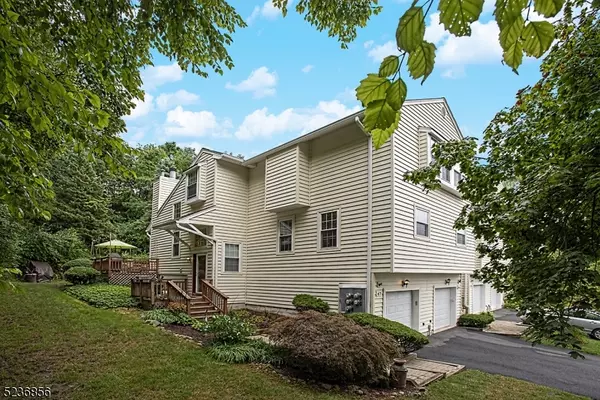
(369,214)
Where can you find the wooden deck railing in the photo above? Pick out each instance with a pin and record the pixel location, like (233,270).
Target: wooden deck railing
(110,265)
(214,296)
(160,292)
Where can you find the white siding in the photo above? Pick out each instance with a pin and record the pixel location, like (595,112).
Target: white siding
(287,179)
(439,253)
(338,179)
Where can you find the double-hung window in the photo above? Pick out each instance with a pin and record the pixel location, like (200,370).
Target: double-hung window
(445,174)
(192,184)
(329,230)
(285,236)
(232,257)
(461,238)
(421,223)
(177,210)
(175,250)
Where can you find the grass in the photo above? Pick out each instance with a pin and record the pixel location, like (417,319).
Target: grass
(50,339)
(589,345)
(476,385)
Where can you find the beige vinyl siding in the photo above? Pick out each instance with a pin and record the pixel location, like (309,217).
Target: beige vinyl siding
(338,179)
(426,285)
(287,179)
(439,253)
(303,186)
(381,230)
(230,218)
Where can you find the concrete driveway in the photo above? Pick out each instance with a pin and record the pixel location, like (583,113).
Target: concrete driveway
(515,357)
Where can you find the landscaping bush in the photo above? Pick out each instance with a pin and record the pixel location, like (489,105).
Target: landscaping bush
(252,351)
(305,302)
(167,317)
(256,319)
(408,339)
(229,329)
(476,320)
(334,348)
(103,296)
(78,262)
(81,275)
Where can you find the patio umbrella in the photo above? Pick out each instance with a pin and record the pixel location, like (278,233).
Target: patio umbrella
(115,244)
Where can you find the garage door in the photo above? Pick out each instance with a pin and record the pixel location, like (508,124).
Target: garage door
(496,299)
(478,298)
(398,307)
(443,308)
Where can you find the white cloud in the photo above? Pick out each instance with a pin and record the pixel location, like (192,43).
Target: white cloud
(266,11)
(154,76)
(347,96)
(181,97)
(200,123)
(261,83)
(368,44)
(307,68)
(141,108)
(262,124)
(135,138)
(255,14)
(197,146)
(379,52)
(456,72)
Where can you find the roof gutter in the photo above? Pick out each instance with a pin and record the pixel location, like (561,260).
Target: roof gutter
(368,301)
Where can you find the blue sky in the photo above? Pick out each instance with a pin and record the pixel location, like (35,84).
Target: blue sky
(290,79)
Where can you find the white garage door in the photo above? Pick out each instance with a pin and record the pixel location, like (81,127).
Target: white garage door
(496,299)
(478,298)
(443,307)
(398,307)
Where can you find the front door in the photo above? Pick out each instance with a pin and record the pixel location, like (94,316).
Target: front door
(199,271)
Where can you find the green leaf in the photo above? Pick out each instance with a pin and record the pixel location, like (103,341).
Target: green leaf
(103,119)
(389,66)
(380,136)
(508,10)
(13,16)
(396,94)
(95,100)
(511,32)
(379,115)
(513,56)
(538,37)
(411,29)
(548,8)
(372,88)
(420,61)
(457,15)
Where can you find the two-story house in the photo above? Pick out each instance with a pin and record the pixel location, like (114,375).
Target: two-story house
(324,214)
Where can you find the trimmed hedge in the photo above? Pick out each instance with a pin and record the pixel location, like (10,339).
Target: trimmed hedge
(476,320)
(78,262)
(305,302)
(102,295)
(409,339)
(81,275)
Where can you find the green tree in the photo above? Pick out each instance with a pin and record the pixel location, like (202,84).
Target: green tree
(533,200)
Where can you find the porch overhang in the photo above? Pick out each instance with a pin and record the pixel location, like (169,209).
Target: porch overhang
(186,225)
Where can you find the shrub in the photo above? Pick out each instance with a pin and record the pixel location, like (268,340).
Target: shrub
(334,348)
(81,275)
(103,296)
(166,316)
(78,262)
(252,351)
(229,329)
(305,302)
(476,320)
(258,320)
(408,339)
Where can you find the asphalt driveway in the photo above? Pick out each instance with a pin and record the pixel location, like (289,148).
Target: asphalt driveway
(514,357)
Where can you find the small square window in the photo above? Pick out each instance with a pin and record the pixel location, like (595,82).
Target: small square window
(175,250)
(461,238)
(421,222)
(232,257)
(177,210)
(328,230)
(285,236)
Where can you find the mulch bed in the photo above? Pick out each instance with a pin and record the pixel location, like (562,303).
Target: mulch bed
(190,333)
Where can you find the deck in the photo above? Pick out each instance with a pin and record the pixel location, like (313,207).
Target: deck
(120,270)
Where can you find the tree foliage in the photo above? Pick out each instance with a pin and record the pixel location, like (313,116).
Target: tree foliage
(534,201)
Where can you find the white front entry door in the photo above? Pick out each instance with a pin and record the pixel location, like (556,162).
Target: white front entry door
(444,303)
(398,307)
(478,298)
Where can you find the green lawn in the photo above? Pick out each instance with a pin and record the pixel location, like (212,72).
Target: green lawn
(50,339)
(589,346)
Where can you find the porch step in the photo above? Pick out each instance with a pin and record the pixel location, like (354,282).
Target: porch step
(200,307)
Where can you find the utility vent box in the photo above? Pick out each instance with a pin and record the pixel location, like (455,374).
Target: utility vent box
(352,300)
(287,184)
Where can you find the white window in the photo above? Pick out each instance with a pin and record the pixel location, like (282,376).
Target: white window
(329,230)
(457,177)
(432,142)
(177,210)
(192,184)
(421,222)
(285,236)
(175,251)
(445,174)
(232,257)
(461,238)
